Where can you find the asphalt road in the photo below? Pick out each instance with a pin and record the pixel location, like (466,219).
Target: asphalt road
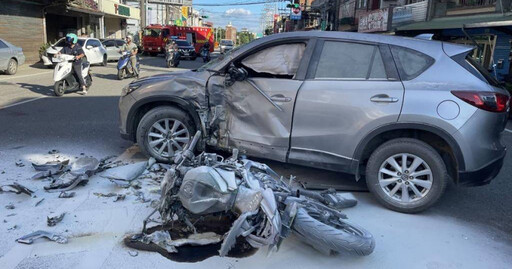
(33,121)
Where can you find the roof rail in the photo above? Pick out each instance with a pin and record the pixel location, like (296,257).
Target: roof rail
(425,36)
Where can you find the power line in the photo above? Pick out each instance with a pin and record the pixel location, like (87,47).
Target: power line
(239,3)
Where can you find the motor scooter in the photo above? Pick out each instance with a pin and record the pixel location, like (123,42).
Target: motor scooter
(205,53)
(124,66)
(172,57)
(64,77)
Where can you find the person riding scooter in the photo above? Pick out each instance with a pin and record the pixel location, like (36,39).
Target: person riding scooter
(172,54)
(73,48)
(205,52)
(132,49)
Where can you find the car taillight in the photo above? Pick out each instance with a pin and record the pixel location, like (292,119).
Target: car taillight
(489,101)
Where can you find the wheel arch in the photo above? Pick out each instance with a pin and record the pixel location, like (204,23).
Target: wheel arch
(141,107)
(439,139)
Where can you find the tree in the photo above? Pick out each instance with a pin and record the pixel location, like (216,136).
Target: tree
(244,38)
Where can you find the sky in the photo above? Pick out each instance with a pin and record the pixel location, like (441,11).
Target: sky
(242,16)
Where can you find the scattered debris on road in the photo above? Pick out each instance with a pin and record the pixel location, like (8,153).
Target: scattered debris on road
(39,202)
(67,194)
(29,238)
(19,163)
(9,206)
(118,197)
(16,188)
(78,174)
(133,253)
(123,175)
(53,220)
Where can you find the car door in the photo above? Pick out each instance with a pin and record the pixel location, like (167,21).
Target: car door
(5,55)
(92,51)
(351,89)
(259,109)
(110,48)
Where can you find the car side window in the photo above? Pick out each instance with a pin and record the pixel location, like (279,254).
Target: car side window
(120,43)
(2,45)
(410,63)
(108,44)
(344,60)
(280,61)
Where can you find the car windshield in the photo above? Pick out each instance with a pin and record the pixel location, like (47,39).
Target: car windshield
(226,42)
(62,42)
(182,43)
(152,32)
(211,64)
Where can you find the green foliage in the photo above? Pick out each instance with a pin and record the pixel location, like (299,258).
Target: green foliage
(43,48)
(244,38)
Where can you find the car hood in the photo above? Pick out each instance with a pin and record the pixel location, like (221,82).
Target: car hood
(188,85)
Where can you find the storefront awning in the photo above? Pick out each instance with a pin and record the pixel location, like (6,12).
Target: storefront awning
(474,21)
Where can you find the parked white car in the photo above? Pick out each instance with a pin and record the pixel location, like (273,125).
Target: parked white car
(93,49)
(113,46)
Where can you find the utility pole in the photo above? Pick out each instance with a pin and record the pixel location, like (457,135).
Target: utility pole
(142,6)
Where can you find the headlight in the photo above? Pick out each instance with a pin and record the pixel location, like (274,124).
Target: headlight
(129,89)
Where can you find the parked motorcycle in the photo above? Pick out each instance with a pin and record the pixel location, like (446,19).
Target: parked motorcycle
(263,207)
(64,77)
(172,57)
(124,66)
(205,53)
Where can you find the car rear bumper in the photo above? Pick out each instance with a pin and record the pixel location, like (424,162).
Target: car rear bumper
(483,175)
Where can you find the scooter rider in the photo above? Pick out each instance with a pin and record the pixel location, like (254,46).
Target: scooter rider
(132,49)
(73,48)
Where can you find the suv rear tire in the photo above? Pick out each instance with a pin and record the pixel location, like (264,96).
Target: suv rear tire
(157,124)
(411,188)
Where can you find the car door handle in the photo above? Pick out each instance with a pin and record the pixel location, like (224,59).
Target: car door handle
(280,98)
(383,98)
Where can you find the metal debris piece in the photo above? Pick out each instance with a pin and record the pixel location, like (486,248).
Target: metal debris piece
(13,227)
(79,173)
(12,214)
(19,163)
(39,202)
(29,238)
(108,162)
(53,220)
(85,166)
(51,165)
(9,206)
(141,197)
(118,197)
(53,151)
(125,174)
(133,253)
(67,194)
(16,188)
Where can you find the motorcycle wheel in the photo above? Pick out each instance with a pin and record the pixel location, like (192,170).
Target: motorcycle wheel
(58,88)
(120,74)
(169,64)
(332,237)
(88,81)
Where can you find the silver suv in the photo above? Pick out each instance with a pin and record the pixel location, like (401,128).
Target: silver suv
(405,114)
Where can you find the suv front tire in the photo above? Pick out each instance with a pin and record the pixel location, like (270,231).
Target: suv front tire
(164,130)
(406,175)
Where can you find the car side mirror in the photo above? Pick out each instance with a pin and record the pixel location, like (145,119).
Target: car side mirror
(89,47)
(235,74)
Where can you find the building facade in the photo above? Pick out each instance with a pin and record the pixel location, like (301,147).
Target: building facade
(32,23)
(231,32)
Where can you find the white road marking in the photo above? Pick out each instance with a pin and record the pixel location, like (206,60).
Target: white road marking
(24,76)
(507,130)
(23,102)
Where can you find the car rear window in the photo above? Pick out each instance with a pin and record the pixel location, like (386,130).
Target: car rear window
(410,63)
(466,61)
(182,43)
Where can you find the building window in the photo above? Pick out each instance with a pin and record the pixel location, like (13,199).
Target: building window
(361,3)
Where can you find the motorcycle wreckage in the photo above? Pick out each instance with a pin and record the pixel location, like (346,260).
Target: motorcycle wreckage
(262,208)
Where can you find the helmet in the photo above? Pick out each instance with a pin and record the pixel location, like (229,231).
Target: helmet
(71,38)
(129,37)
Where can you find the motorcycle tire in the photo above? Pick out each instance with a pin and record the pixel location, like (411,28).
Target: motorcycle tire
(327,238)
(120,74)
(88,81)
(58,88)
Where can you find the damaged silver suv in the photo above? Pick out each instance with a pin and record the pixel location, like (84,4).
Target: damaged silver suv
(406,114)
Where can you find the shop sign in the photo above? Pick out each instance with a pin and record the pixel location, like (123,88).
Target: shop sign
(89,4)
(296,13)
(378,20)
(122,10)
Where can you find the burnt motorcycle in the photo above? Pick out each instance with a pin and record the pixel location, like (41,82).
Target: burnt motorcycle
(263,207)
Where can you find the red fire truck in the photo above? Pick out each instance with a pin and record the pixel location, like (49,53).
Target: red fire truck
(156,36)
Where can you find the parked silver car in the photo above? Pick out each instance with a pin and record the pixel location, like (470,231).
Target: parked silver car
(10,57)
(406,114)
(226,45)
(112,46)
